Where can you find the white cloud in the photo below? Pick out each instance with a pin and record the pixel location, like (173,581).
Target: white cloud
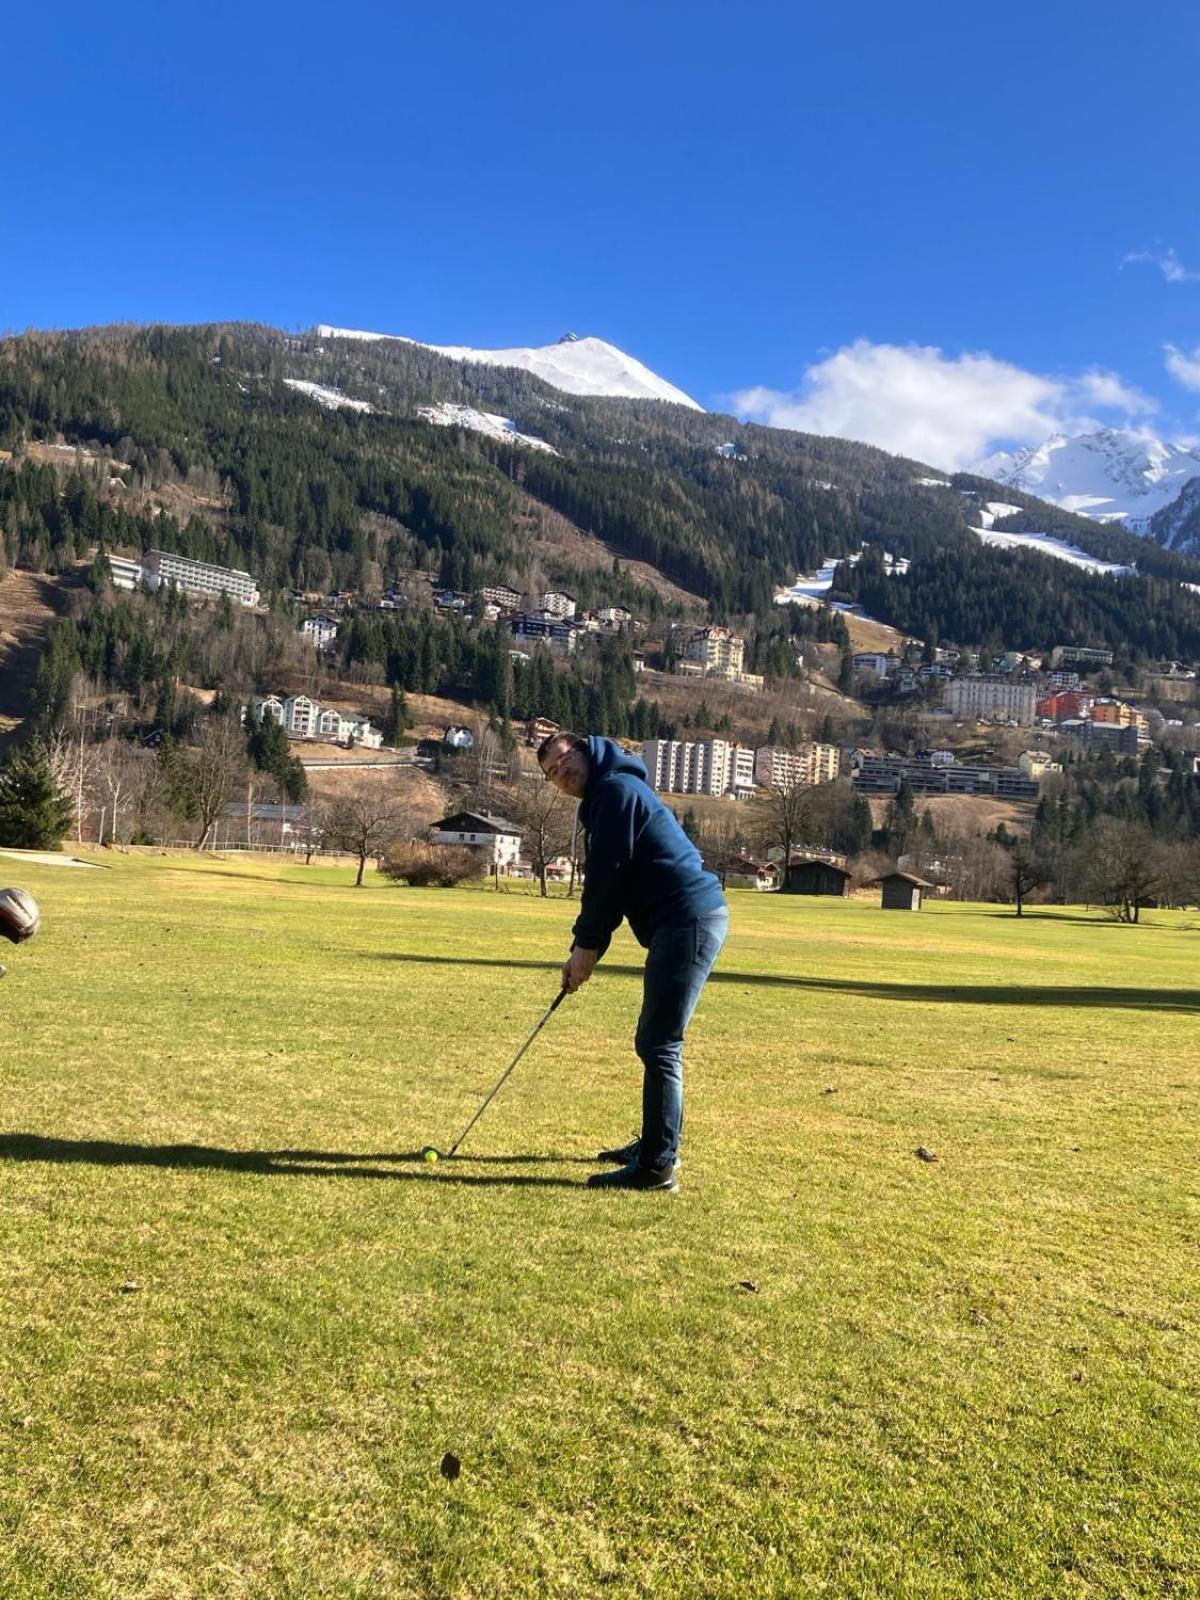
(948,411)
(1184,368)
(1167,262)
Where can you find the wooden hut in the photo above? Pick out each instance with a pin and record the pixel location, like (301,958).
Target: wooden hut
(812,875)
(902,891)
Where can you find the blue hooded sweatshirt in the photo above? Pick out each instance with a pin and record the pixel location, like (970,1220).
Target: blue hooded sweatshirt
(640,863)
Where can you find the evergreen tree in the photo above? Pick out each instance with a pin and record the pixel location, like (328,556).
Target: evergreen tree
(34,812)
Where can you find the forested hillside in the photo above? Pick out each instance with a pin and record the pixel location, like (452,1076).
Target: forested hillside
(191,440)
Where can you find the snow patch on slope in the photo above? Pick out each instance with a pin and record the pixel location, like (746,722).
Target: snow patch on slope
(1049,546)
(331,399)
(447,415)
(576,366)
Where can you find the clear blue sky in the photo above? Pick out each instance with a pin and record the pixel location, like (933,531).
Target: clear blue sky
(732,194)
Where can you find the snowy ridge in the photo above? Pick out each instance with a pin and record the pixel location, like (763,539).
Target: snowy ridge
(486,422)
(576,366)
(1111,475)
(331,399)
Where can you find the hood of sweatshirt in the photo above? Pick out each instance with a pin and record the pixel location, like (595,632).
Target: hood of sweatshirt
(607,757)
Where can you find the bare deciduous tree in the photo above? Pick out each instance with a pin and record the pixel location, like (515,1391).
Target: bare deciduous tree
(364,824)
(219,765)
(1120,867)
(784,816)
(546,819)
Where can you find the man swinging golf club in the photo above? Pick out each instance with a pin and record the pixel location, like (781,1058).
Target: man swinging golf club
(640,865)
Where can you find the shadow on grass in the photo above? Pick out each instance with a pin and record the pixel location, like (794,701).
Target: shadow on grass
(963,994)
(274,1163)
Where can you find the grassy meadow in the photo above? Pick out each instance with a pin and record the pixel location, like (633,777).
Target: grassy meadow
(241,1324)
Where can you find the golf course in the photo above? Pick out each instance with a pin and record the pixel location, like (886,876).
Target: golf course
(252,1345)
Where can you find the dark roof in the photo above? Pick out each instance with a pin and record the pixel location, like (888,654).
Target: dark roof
(818,861)
(904,877)
(475,822)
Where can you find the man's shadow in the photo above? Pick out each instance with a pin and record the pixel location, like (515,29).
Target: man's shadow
(389,1167)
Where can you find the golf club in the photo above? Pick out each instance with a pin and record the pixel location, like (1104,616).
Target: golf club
(430,1152)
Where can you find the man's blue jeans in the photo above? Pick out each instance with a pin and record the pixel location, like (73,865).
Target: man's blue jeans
(677,968)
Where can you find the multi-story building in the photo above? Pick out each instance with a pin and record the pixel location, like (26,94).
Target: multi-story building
(775,767)
(1079,655)
(126,574)
(875,663)
(499,594)
(1115,711)
(319,630)
(1063,704)
(539,628)
(557,603)
(716,648)
(1036,763)
(705,766)
(1123,738)
(885,774)
(161,567)
(302,718)
(987,696)
(614,616)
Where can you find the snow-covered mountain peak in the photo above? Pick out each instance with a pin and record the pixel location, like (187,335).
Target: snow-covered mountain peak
(1111,475)
(586,366)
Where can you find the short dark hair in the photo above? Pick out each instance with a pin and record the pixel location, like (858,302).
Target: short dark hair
(575,741)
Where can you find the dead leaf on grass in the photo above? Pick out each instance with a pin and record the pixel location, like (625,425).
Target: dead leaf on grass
(451,1466)
(925,1155)
(748,1284)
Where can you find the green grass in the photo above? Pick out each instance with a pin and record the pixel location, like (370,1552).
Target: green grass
(974,1378)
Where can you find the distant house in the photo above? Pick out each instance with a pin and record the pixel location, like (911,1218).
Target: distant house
(498,839)
(743,872)
(320,631)
(902,891)
(539,729)
(811,875)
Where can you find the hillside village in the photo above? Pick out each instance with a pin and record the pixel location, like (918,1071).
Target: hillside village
(1044,711)
(383,606)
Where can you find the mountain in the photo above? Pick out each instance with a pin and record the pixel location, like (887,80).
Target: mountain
(574,365)
(318,462)
(1177,526)
(1111,475)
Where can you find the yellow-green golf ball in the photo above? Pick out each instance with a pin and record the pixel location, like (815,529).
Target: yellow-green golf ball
(429,1153)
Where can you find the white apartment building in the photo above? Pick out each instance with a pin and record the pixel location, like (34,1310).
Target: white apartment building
(777,768)
(319,630)
(986,697)
(126,574)
(302,718)
(557,602)
(705,766)
(716,648)
(198,577)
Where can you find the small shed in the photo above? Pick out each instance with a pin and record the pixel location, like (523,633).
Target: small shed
(812,875)
(902,891)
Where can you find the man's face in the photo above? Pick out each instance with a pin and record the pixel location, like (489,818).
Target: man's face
(566,768)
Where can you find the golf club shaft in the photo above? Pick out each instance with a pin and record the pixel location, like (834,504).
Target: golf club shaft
(554,1005)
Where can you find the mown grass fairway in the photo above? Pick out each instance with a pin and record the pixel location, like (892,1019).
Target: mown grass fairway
(241,1322)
